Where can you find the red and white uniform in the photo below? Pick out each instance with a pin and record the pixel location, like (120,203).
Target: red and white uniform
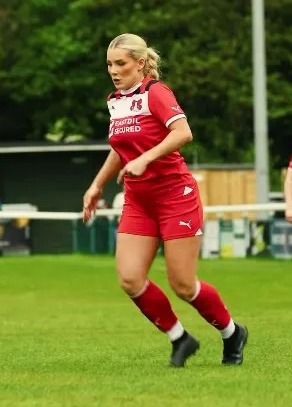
(164,201)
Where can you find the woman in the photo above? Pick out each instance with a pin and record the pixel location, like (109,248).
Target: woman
(147,128)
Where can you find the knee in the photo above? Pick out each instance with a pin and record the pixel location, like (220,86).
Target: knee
(184,290)
(131,285)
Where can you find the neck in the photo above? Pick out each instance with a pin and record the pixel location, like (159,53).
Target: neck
(135,85)
(137,81)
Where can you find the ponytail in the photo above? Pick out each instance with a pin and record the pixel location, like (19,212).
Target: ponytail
(152,64)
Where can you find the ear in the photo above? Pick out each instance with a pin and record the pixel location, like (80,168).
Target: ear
(141,64)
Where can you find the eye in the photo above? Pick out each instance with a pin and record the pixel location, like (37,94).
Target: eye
(121,63)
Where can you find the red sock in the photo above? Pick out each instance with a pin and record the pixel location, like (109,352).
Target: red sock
(210,306)
(154,304)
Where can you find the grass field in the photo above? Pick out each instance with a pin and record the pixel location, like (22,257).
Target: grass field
(70,338)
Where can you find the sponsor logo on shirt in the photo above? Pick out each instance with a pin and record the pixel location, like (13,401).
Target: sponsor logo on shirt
(128,125)
(111,128)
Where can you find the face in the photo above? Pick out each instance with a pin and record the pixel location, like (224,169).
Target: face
(124,70)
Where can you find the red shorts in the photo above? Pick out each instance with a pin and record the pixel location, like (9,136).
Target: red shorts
(171,210)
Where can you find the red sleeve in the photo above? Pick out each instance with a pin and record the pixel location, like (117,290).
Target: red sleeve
(163,104)
(290,163)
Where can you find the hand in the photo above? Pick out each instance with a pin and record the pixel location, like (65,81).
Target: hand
(134,168)
(288,214)
(90,200)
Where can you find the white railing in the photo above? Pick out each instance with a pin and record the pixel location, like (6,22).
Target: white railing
(243,209)
(211,241)
(40,215)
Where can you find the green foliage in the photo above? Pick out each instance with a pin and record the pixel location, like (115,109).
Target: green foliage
(52,67)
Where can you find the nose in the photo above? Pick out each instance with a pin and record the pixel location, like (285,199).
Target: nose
(112,71)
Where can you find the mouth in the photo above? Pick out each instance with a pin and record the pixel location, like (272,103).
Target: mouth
(116,81)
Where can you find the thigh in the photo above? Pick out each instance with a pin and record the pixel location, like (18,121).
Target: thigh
(134,256)
(181,256)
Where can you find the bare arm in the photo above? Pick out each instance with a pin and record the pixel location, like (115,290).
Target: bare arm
(288,194)
(110,168)
(180,134)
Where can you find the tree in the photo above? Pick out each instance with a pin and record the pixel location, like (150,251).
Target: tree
(53,70)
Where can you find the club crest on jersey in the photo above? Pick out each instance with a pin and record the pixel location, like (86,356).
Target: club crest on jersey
(136,105)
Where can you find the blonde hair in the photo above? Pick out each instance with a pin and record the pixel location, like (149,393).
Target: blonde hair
(137,48)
